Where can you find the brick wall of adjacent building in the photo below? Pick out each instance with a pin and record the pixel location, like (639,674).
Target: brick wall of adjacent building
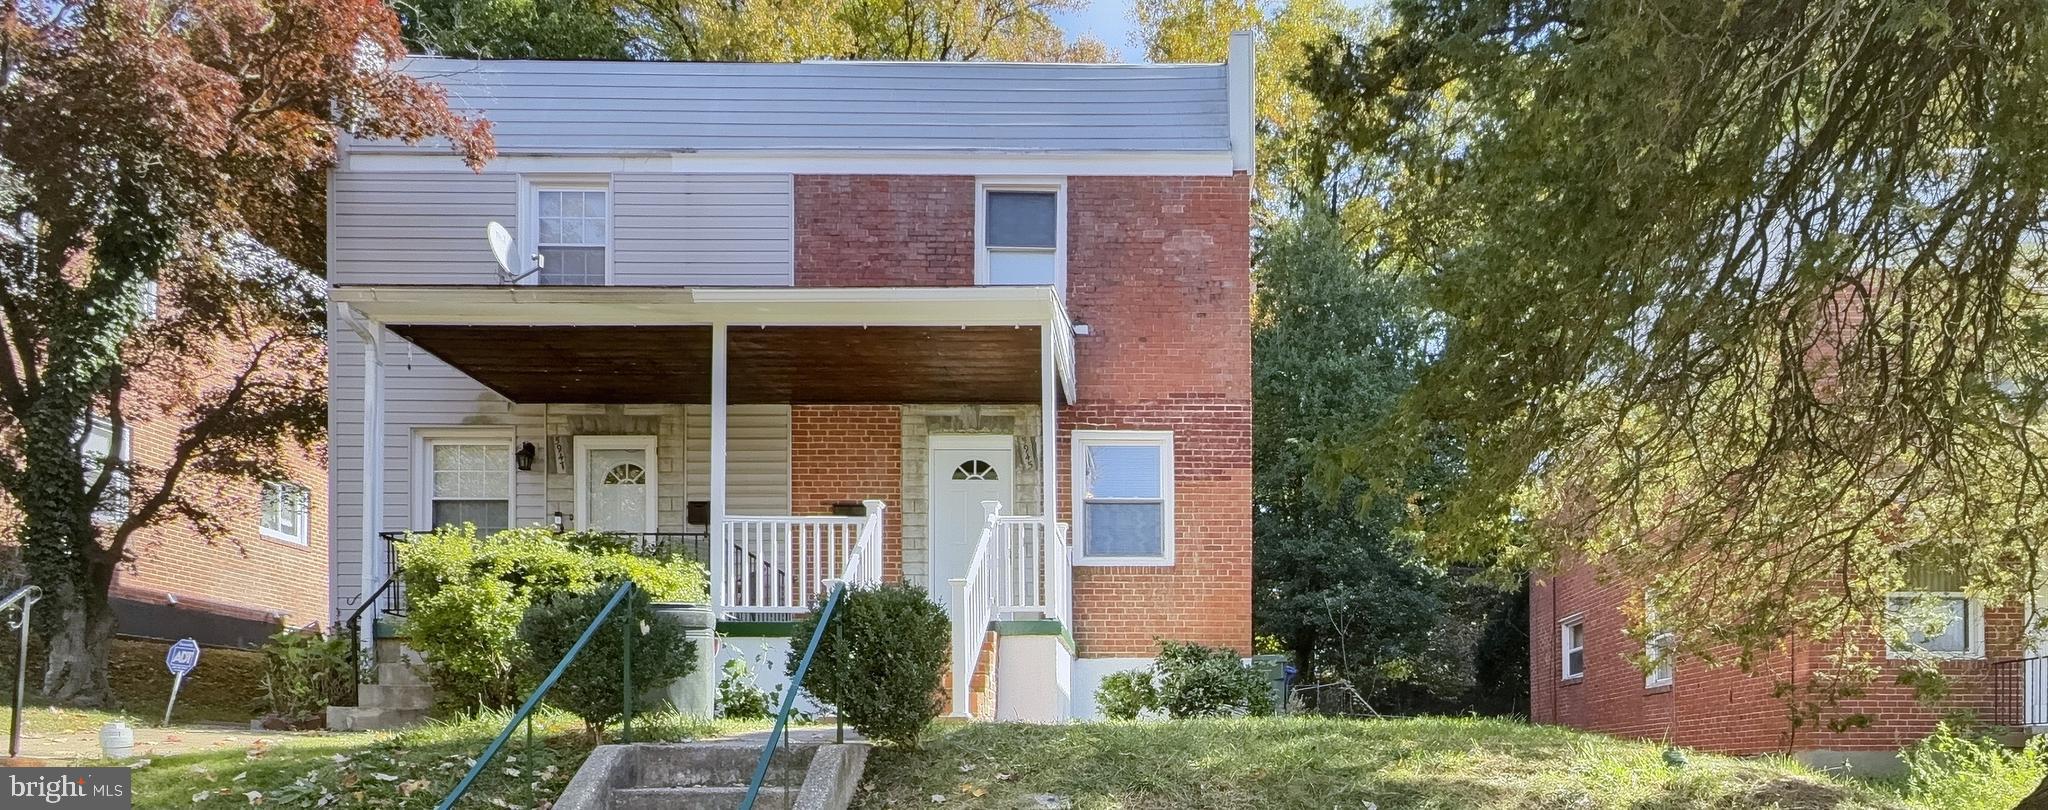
(841,453)
(1159,268)
(1723,708)
(884,230)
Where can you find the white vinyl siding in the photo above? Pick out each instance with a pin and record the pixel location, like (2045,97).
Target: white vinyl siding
(286,509)
(1571,645)
(1123,497)
(665,229)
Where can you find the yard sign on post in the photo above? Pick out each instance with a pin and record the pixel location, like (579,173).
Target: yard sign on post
(180,659)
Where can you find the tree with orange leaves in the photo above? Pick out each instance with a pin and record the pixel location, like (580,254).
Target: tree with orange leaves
(179,145)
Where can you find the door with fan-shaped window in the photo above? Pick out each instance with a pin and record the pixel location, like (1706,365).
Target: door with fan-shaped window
(615,484)
(965,470)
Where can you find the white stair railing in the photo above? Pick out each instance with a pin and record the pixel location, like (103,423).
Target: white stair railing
(780,564)
(974,603)
(1038,570)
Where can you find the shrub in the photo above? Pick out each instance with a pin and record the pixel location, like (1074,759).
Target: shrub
(1972,772)
(738,698)
(1198,681)
(465,597)
(1187,680)
(880,661)
(1125,695)
(592,687)
(304,673)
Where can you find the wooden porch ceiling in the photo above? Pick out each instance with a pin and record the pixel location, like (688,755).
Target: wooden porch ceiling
(798,365)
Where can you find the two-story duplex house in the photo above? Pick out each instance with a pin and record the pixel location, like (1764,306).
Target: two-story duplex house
(986,325)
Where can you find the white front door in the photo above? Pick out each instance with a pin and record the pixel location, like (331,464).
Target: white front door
(965,470)
(615,484)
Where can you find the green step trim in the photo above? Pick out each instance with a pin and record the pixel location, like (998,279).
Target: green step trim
(1034,627)
(387,628)
(755,629)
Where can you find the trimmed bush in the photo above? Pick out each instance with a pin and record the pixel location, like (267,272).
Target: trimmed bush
(1125,695)
(304,673)
(880,661)
(593,686)
(465,597)
(1187,680)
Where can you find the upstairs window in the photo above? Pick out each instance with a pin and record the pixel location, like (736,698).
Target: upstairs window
(286,509)
(571,227)
(1125,493)
(97,451)
(1021,235)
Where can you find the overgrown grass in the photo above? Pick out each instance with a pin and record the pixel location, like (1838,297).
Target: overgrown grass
(412,768)
(1413,764)
(227,687)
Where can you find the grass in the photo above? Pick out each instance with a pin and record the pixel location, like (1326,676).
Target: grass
(407,769)
(226,687)
(1413,764)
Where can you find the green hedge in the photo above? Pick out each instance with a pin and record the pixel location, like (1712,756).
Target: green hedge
(466,595)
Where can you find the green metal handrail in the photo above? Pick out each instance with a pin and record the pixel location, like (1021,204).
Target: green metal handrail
(789,695)
(533,701)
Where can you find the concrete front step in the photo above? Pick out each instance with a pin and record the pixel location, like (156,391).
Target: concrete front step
(400,674)
(395,696)
(370,718)
(713,764)
(719,797)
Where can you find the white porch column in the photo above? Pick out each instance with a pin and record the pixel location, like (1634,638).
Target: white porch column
(371,557)
(721,548)
(1048,432)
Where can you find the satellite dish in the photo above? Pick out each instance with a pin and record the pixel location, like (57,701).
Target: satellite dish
(501,246)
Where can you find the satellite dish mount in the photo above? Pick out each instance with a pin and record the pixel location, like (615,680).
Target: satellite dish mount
(501,250)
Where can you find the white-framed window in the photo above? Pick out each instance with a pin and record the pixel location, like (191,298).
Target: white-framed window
(152,299)
(1943,624)
(1123,497)
(1658,648)
(1571,647)
(1020,231)
(95,452)
(465,477)
(287,509)
(567,221)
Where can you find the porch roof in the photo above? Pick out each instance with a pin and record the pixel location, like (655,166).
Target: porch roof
(617,345)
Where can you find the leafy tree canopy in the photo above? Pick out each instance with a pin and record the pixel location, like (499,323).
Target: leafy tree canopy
(747,30)
(1744,301)
(167,151)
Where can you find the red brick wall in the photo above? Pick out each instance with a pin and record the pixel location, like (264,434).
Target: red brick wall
(849,453)
(1723,708)
(1159,268)
(884,230)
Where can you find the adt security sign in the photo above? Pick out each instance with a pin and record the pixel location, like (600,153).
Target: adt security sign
(180,659)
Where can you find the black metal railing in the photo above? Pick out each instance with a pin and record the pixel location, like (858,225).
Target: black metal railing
(2019,691)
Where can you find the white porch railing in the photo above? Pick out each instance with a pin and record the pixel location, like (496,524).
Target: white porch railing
(1016,569)
(781,564)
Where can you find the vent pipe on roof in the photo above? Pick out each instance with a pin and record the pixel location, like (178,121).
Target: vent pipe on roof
(1238,69)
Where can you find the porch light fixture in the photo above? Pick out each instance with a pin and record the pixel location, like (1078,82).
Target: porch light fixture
(524,458)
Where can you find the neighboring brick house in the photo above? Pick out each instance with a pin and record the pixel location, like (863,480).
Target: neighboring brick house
(1583,673)
(268,572)
(790,313)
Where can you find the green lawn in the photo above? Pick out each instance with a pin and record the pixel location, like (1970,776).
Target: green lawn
(413,768)
(1410,764)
